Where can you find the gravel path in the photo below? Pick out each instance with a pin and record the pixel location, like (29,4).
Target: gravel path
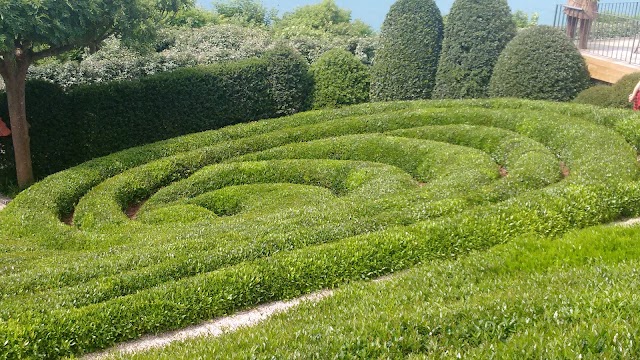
(212,328)
(4,200)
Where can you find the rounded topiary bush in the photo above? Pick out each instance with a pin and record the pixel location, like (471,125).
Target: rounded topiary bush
(540,63)
(616,96)
(340,79)
(475,34)
(407,59)
(290,79)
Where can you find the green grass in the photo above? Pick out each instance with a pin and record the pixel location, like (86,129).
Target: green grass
(574,297)
(275,209)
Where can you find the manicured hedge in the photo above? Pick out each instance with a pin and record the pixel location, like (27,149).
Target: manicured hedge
(407,58)
(531,298)
(269,210)
(96,120)
(339,79)
(474,36)
(540,63)
(613,96)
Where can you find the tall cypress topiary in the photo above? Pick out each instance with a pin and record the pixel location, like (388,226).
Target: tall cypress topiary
(476,33)
(540,63)
(410,42)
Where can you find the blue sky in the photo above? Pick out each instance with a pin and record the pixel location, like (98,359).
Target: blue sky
(373,12)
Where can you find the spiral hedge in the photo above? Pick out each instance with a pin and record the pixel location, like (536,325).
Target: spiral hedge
(172,233)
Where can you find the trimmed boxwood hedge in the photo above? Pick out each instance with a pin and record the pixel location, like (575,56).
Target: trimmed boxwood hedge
(339,79)
(272,209)
(96,120)
(407,58)
(540,63)
(474,36)
(614,96)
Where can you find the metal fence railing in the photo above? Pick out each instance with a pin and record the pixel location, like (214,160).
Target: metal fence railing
(613,32)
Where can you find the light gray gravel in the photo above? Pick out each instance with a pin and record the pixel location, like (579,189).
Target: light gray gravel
(212,328)
(4,200)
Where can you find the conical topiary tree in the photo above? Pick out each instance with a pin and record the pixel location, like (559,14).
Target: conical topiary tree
(475,34)
(540,63)
(407,59)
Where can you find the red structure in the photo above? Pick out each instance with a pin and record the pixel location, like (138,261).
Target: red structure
(4,130)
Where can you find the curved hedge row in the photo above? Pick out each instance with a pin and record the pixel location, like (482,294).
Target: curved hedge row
(614,96)
(95,120)
(171,233)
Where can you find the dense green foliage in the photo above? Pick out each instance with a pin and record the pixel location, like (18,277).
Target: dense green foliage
(540,63)
(615,96)
(248,12)
(291,84)
(35,30)
(78,24)
(339,79)
(273,209)
(193,17)
(524,20)
(321,20)
(474,36)
(176,48)
(575,297)
(195,36)
(407,59)
(96,120)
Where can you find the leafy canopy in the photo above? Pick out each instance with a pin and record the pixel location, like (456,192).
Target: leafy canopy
(246,12)
(325,19)
(50,25)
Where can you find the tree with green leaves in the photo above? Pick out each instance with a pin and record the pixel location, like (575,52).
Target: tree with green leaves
(407,59)
(324,19)
(244,12)
(475,34)
(34,30)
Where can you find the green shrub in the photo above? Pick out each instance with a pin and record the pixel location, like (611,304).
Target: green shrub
(474,36)
(615,96)
(407,59)
(272,209)
(540,63)
(339,79)
(290,80)
(96,120)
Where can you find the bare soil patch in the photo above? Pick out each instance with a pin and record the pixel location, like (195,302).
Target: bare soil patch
(133,209)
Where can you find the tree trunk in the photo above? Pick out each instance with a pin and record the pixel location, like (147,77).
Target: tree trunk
(14,72)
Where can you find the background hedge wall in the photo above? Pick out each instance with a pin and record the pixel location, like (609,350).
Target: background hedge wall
(96,120)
